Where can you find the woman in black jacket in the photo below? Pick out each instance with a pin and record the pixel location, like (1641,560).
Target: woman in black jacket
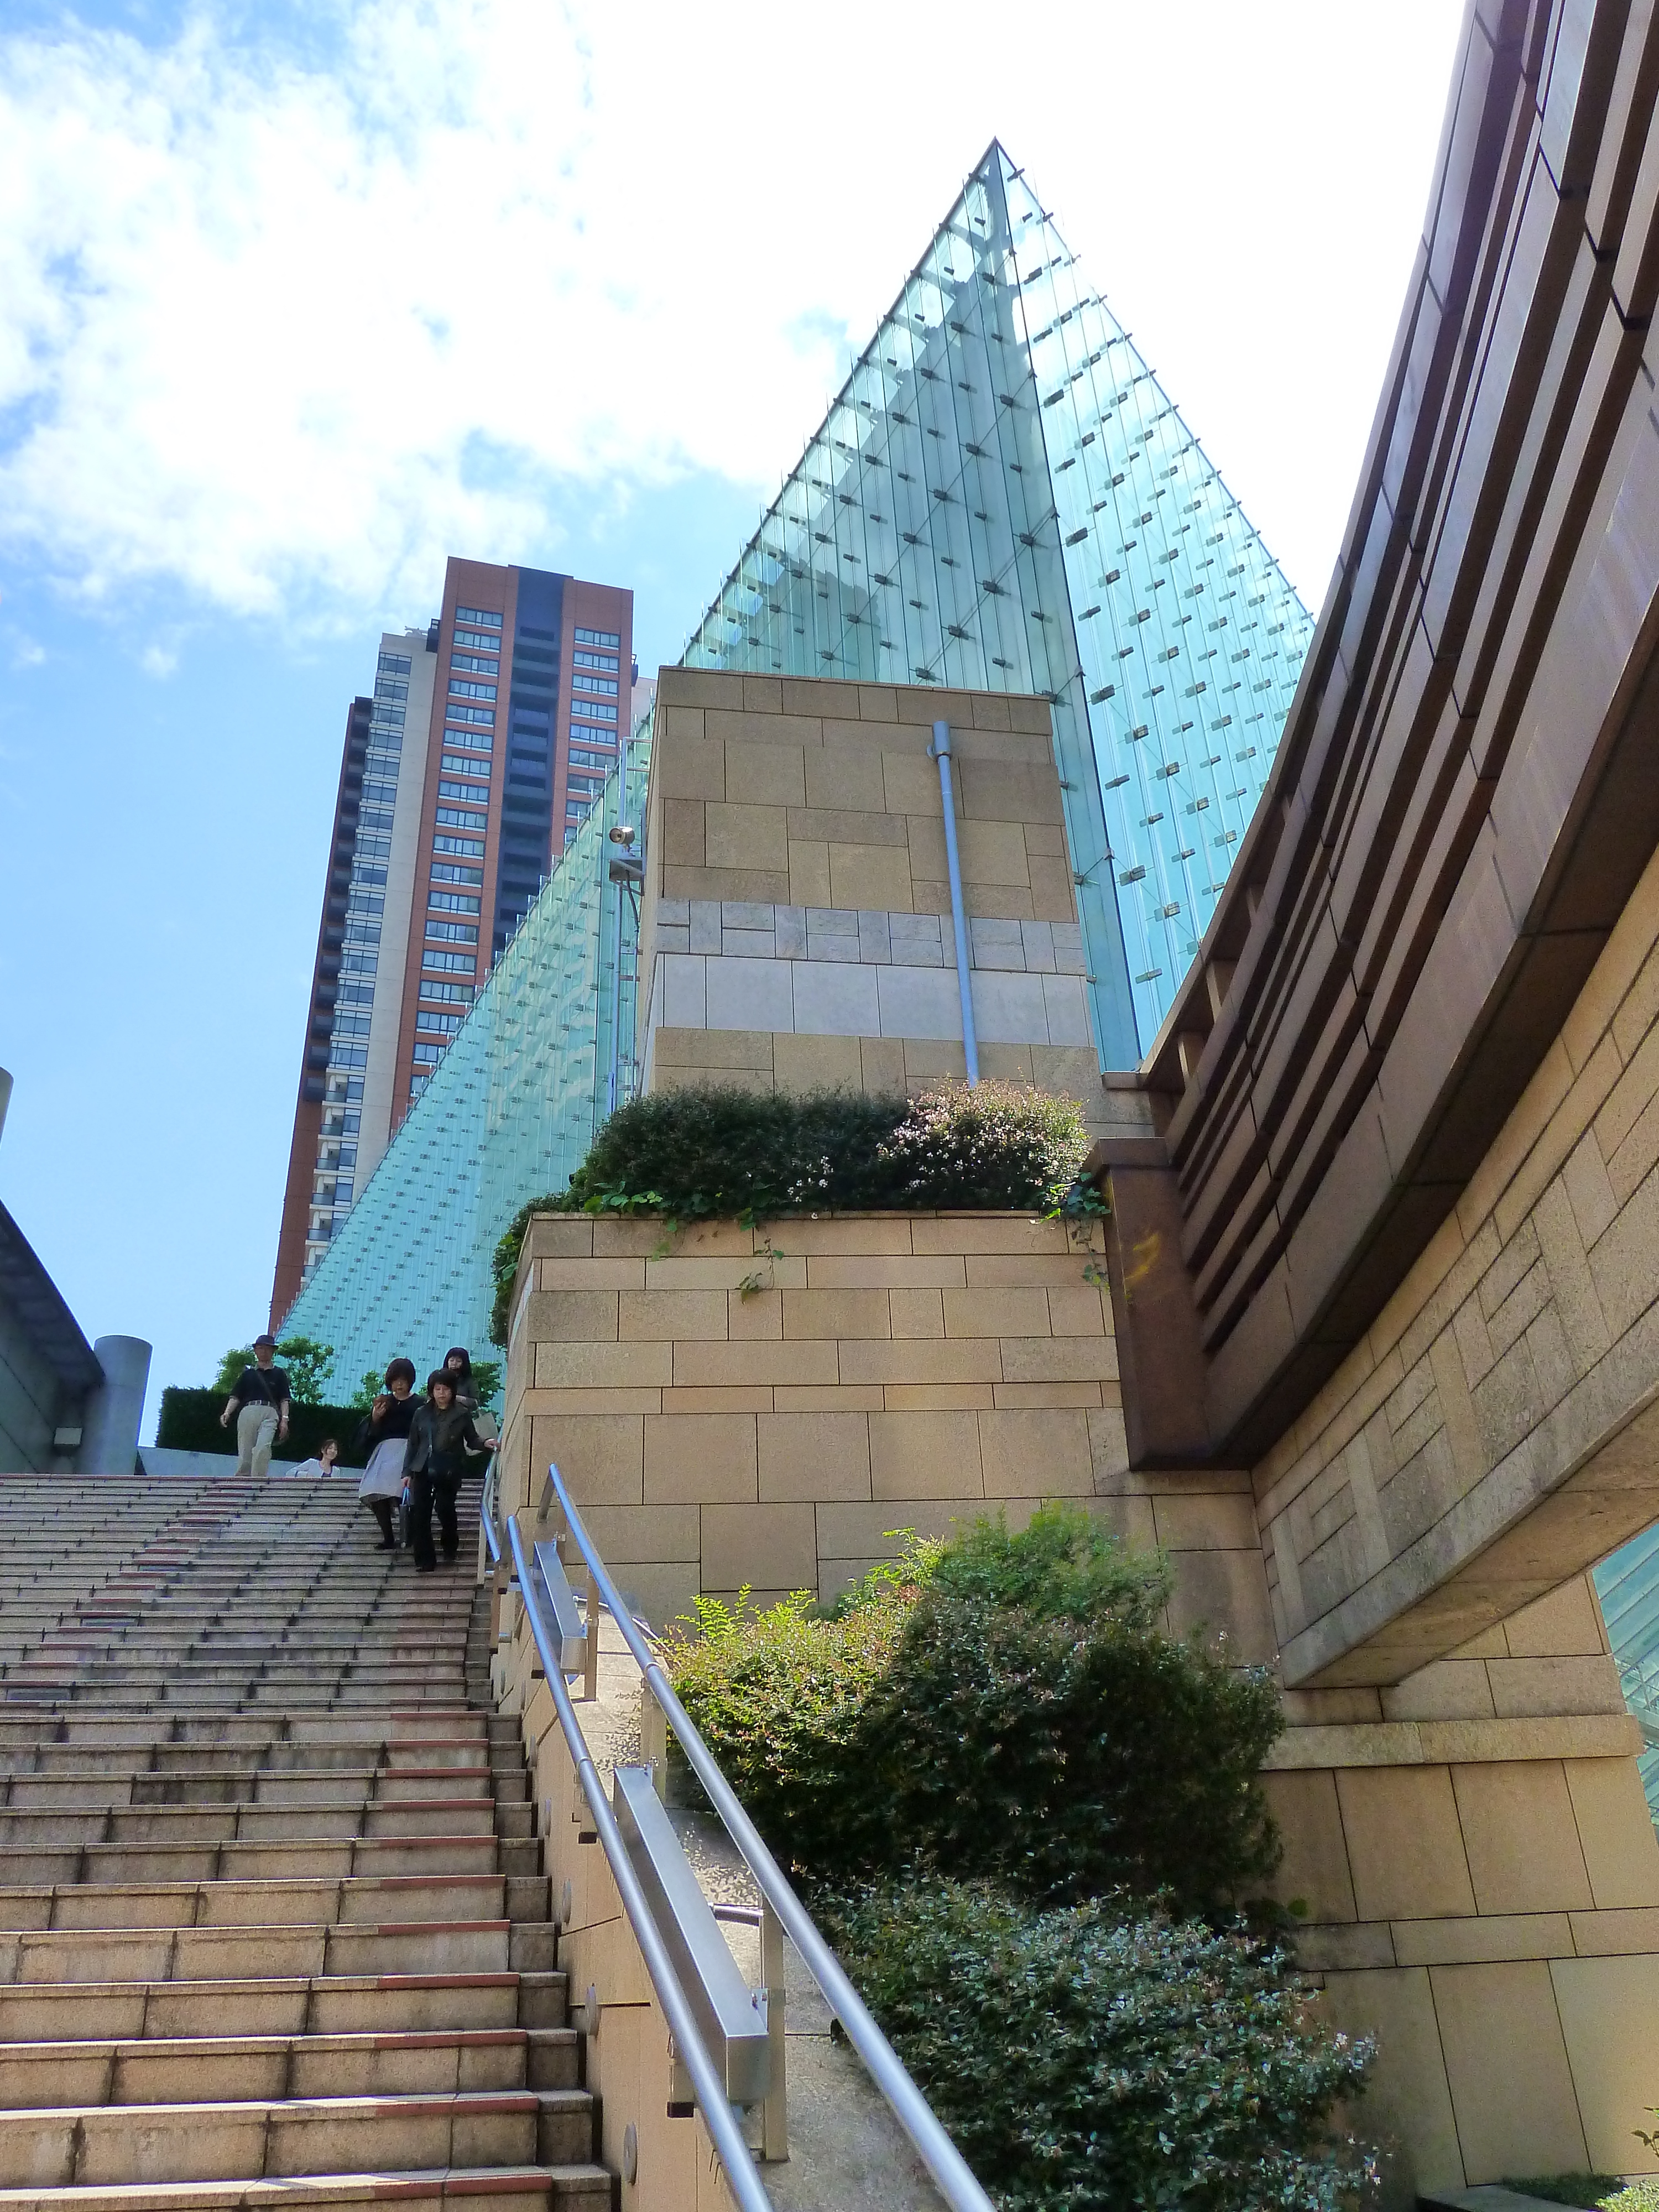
(383,1436)
(440,1441)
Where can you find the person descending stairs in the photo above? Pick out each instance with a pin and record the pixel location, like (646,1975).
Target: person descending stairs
(273,1931)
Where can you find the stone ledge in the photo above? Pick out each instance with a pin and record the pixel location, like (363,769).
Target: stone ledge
(1454,1743)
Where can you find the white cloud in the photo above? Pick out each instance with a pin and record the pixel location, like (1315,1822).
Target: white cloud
(25,654)
(158,661)
(286,331)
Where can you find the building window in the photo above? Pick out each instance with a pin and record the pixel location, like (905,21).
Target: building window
(606,683)
(393,664)
(456,963)
(460,688)
(479,715)
(467,641)
(455,817)
(444,1024)
(451,902)
(452,932)
(480,616)
(594,710)
(468,846)
(600,637)
(454,995)
(428,1055)
(445,872)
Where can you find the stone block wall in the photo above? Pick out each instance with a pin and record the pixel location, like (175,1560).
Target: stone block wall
(765,1406)
(795,930)
(1492,1434)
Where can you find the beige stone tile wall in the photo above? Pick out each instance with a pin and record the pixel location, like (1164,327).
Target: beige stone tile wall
(768,1406)
(1492,1434)
(789,818)
(1471,1857)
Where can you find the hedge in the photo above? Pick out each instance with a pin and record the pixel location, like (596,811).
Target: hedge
(190,1422)
(713,1151)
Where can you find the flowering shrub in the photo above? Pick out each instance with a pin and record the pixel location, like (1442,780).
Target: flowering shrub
(997,1145)
(1102,2058)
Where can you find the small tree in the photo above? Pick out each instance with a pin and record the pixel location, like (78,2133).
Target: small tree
(306,1364)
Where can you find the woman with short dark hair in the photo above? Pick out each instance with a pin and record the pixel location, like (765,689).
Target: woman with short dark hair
(384,1437)
(442,1441)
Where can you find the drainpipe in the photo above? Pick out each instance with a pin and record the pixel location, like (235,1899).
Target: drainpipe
(940,751)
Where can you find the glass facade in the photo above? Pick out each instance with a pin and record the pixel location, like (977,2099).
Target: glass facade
(1628,1587)
(1003,498)
(507,1111)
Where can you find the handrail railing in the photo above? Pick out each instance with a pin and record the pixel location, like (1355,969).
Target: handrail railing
(487,1513)
(706,2086)
(926,2134)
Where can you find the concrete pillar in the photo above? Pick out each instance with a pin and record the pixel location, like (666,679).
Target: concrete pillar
(109,1431)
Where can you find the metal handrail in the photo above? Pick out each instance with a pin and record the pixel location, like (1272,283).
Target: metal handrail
(706,2086)
(487,1515)
(950,2170)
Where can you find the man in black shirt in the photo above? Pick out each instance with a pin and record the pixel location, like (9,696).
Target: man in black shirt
(259,1402)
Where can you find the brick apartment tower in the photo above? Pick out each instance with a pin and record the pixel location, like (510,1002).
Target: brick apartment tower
(489,736)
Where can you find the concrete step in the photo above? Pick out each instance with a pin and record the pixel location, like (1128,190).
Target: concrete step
(200,2069)
(299,1900)
(102,2145)
(235,1819)
(572,2188)
(366,2004)
(231,1952)
(32,1866)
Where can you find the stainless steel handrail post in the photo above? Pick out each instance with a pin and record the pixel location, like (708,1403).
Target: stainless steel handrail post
(709,2090)
(774,2112)
(946,2163)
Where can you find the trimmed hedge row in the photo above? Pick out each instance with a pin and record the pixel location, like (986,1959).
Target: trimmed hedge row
(712,1150)
(190,1422)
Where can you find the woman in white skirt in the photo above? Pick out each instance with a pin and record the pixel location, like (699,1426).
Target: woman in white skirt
(384,1437)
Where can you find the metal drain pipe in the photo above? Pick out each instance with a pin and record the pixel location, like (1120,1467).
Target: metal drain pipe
(940,751)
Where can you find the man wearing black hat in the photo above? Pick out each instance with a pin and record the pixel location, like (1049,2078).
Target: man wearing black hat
(259,1402)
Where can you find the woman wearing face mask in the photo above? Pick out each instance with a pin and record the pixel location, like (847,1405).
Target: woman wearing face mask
(383,1436)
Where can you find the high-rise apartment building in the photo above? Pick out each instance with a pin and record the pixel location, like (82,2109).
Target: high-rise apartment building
(490,734)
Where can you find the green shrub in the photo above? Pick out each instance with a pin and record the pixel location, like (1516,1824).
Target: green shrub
(715,1151)
(778,1697)
(1010,1710)
(1067,1757)
(1099,2060)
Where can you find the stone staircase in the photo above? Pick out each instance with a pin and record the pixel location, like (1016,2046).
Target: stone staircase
(273,1929)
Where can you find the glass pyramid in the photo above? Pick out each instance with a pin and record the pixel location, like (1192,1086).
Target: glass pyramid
(1003,498)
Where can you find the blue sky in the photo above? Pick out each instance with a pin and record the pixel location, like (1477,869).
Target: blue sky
(296,301)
